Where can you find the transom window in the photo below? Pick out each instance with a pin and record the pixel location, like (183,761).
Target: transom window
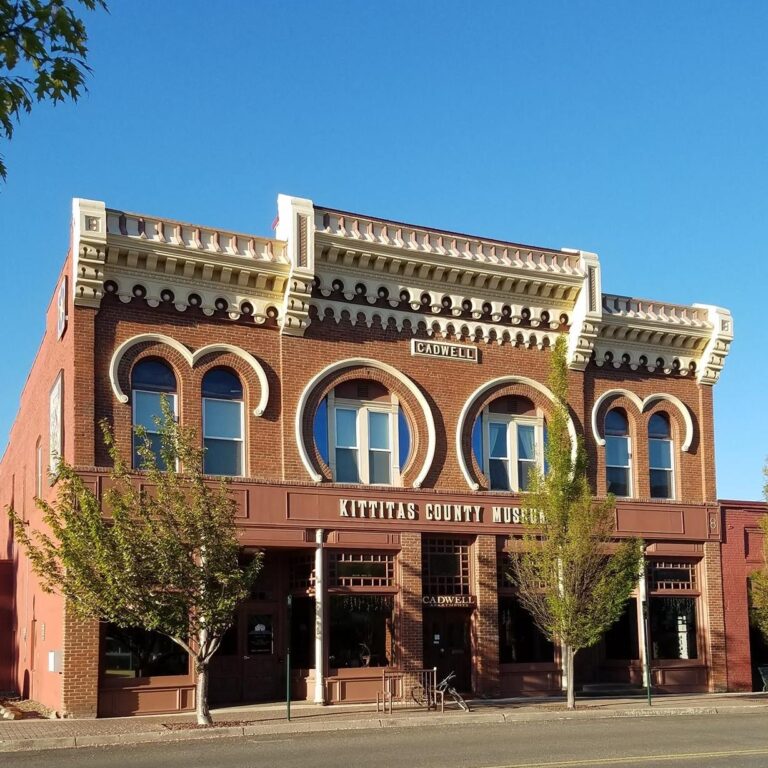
(362,433)
(222,422)
(361,569)
(151,380)
(618,453)
(445,566)
(508,441)
(660,457)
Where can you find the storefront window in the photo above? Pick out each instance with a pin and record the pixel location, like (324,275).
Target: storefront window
(673,628)
(303,633)
(360,630)
(135,652)
(621,640)
(520,640)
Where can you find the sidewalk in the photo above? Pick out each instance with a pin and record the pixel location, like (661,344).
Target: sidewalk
(270,719)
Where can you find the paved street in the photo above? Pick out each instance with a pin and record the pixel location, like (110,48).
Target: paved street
(731,741)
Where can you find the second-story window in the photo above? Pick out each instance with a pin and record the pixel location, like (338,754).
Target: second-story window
(618,453)
(362,433)
(151,380)
(222,423)
(509,443)
(660,457)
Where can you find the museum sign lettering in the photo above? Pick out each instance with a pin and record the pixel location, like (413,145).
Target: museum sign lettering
(377,509)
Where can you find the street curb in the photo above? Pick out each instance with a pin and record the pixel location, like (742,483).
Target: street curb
(295,728)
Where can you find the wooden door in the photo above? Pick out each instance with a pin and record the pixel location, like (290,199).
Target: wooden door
(447,645)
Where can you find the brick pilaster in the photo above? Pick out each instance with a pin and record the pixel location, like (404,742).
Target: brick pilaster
(715,619)
(411,635)
(486,625)
(80,684)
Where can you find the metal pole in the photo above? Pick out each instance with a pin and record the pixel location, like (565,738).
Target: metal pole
(646,633)
(288,659)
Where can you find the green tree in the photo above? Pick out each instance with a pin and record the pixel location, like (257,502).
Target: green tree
(165,558)
(571,575)
(758,581)
(43,47)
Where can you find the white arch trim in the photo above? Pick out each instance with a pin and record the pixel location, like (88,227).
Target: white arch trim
(502,380)
(192,358)
(353,362)
(641,406)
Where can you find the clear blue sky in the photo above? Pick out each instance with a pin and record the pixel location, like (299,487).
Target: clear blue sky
(635,129)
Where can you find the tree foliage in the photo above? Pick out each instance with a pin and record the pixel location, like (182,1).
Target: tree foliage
(758,581)
(571,575)
(43,49)
(164,557)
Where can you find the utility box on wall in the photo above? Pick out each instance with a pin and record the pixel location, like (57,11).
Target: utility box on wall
(55,661)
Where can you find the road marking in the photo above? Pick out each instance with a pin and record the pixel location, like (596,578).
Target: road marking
(634,760)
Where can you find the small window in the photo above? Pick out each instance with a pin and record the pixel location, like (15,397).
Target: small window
(673,628)
(508,441)
(151,380)
(363,441)
(223,423)
(137,653)
(617,453)
(660,457)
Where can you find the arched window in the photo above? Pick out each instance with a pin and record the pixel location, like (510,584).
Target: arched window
(508,441)
(660,457)
(151,380)
(618,453)
(362,433)
(222,422)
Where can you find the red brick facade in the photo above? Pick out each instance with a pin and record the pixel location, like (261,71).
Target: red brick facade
(304,326)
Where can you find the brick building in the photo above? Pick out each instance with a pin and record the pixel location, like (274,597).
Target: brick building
(378,392)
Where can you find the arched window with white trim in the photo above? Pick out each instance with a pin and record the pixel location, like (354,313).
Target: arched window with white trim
(660,457)
(363,434)
(223,423)
(508,441)
(618,453)
(151,380)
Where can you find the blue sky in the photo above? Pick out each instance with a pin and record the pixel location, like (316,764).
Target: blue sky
(637,130)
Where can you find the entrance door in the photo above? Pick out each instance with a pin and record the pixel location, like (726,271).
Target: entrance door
(447,644)
(249,666)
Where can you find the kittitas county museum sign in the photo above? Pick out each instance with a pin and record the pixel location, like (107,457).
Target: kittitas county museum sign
(376,509)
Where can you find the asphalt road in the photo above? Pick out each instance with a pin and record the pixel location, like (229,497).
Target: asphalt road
(727,741)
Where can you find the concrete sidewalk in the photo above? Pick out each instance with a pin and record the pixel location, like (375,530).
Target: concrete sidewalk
(270,719)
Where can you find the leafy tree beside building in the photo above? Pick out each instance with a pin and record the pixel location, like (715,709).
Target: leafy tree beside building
(167,560)
(571,575)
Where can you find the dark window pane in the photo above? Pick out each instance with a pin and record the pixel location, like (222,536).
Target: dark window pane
(618,480)
(616,422)
(223,457)
(136,652)
(673,628)
(499,475)
(223,384)
(444,564)
(154,376)
(379,467)
(621,640)
(403,438)
(360,631)
(661,484)
(303,633)
(526,471)
(520,640)
(346,466)
(228,645)
(658,426)
(155,444)
(320,430)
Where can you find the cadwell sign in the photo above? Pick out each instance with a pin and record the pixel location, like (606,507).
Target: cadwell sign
(449,601)
(444,350)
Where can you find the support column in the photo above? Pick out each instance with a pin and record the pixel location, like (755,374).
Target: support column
(645,651)
(714,610)
(80,676)
(319,618)
(410,630)
(486,678)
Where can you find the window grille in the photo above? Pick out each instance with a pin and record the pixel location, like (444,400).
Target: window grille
(301,571)
(361,569)
(672,575)
(445,566)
